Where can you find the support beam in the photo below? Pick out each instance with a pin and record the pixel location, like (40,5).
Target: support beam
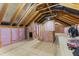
(48,7)
(51,13)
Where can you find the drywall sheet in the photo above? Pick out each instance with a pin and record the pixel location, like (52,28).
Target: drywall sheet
(5,36)
(15,34)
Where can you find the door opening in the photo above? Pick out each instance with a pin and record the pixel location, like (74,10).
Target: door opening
(30,35)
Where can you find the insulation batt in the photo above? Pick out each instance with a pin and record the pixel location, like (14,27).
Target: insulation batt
(5,36)
(11,35)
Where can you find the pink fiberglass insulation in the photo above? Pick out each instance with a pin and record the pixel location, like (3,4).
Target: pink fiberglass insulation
(5,36)
(62,30)
(78,27)
(49,26)
(15,36)
(35,31)
(50,36)
(23,33)
(47,36)
(66,30)
(34,35)
(20,34)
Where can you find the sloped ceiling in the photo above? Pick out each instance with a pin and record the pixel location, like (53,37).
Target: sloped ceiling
(10,11)
(68,15)
(1,5)
(24,13)
(14,12)
(71,5)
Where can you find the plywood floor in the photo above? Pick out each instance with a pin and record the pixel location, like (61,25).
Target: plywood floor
(29,48)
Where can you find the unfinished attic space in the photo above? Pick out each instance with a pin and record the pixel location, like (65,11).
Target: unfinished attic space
(39,29)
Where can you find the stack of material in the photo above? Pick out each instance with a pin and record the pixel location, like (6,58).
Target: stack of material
(9,35)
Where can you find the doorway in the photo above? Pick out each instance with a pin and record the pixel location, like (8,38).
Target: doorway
(30,35)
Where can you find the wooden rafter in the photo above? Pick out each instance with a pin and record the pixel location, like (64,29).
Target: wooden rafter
(38,17)
(3,11)
(44,13)
(29,13)
(66,20)
(32,18)
(19,9)
(62,22)
(48,6)
(70,19)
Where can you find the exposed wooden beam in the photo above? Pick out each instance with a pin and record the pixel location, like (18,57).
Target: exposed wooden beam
(62,22)
(19,9)
(66,20)
(32,18)
(29,13)
(39,18)
(48,7)
(71,19)
(44,13)
(3,11)
(51,13)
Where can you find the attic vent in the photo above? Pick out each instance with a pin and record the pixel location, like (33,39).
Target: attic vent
(5,23)
(21,25)
(14,24)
